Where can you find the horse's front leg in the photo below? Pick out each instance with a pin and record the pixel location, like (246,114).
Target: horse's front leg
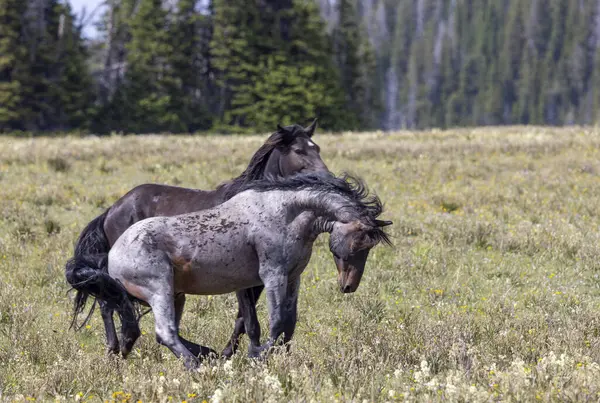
(246,321)
(282,297)
(291,309)
(112,341)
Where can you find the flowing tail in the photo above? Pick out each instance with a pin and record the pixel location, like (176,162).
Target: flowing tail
(87,272)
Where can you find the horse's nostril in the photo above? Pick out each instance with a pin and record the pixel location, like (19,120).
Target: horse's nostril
(347,288)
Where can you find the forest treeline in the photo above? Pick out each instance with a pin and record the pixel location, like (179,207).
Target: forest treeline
(246,65)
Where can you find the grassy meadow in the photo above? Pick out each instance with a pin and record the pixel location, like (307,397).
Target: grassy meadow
(491,291)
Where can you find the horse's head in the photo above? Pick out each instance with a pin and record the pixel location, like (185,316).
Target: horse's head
(296,152)
(350,244)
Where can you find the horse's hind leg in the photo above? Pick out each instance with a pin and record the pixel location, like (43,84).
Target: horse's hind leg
(246,298)
(234,340)
(196,349)
(112,341)
(163,307)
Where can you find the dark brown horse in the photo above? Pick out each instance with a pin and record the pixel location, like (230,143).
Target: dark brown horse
(287,151)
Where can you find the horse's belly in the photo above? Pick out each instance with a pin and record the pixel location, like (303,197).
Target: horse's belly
(209,278)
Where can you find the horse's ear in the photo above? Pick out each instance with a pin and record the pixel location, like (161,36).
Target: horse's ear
(287,135)
(310,130)
(383,223)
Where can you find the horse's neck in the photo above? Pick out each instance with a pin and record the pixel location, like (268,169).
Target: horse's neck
(222,193)
(321,225)
(230,188)
(328,208)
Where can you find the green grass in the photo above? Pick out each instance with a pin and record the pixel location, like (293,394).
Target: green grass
(491,292)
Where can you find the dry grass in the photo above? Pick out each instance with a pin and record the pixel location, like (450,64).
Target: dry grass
(492,291)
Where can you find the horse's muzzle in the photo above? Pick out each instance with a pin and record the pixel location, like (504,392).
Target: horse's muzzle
(348,275)
(347,289)
(348,282)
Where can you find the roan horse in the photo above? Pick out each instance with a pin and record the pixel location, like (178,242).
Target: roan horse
(287,151)
(263,235)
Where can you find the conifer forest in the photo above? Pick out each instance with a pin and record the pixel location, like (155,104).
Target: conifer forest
(246,65)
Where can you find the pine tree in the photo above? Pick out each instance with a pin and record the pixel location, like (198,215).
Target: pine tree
(74,83)
(555,83)
(347,45)
(149,80)
(13,65)
(234,53)
(469,90)
(310,49)
(274,65)
(579,58)
(371,102)
(42,93)
(397,100)
(115,30)
(248,65)
(111,112)
(595,87)
(45,84)
(451,99)
(190,95)
(428,92)
(510,58)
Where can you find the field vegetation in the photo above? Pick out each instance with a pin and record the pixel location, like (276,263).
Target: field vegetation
(491,291)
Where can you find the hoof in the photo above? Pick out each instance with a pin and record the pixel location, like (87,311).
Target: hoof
(129,341)
(125,351)
(191,364)
(112,350)
(207,352)
(227,352)
(197,350)
(259,352)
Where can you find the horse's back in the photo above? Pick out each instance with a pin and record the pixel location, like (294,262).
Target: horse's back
(151,200)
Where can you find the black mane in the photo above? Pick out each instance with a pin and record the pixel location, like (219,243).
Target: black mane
(258,162)
(346,185)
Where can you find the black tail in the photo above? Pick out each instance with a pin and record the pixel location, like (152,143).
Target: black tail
(87,271)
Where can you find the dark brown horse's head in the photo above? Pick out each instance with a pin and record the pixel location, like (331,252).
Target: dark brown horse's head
(288,151)
(294,152)
(350,244)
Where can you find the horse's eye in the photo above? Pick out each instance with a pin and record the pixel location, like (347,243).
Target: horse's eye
(300,151)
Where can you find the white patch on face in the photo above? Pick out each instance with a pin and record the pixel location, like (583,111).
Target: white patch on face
(311,144)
